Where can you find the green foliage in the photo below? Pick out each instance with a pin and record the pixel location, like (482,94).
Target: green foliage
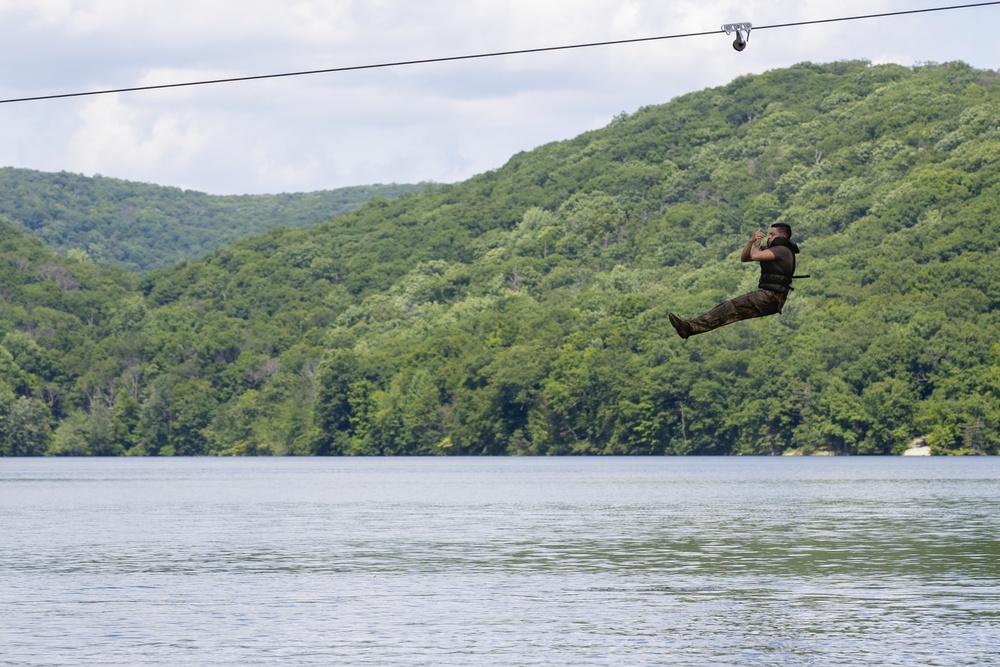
(525,310)
(140,227)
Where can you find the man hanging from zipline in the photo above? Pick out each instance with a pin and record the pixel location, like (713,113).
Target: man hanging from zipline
(777,267)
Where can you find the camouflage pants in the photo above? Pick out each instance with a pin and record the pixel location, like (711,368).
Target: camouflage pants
(747,306)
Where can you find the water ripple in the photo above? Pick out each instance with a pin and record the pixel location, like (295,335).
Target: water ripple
(500,562)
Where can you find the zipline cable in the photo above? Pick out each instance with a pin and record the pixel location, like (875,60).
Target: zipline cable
(874,16)
(495,54)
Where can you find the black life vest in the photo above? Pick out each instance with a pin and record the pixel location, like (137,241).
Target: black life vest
(773,276)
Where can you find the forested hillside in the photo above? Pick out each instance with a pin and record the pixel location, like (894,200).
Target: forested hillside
(525,310)
(139,227)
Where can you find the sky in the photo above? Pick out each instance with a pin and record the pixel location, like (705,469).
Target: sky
(442,122)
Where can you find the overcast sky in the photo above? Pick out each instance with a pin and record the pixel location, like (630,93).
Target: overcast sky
(440,122)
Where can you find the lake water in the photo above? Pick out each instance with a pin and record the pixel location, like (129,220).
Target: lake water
(500,561)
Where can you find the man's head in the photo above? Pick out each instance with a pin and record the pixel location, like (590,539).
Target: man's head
(779,229)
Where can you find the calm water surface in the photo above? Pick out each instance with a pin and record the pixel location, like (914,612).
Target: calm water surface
(597,561)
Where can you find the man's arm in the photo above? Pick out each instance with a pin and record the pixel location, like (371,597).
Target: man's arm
(753,253)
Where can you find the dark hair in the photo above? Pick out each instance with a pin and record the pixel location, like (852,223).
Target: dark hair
(786,229)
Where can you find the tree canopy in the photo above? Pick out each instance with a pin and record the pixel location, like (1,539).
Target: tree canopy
(140,227)
(524,311)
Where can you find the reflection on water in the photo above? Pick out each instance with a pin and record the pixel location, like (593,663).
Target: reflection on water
(500,561)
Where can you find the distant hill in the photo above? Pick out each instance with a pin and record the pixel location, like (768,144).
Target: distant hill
(140,227)
(524,311)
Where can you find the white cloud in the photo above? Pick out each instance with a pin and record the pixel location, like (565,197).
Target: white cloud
(110,132)
(443,122)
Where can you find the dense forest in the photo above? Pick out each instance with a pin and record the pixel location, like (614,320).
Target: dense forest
(524,311)
(139,227)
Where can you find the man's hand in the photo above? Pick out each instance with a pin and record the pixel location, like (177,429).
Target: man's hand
(753,253)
